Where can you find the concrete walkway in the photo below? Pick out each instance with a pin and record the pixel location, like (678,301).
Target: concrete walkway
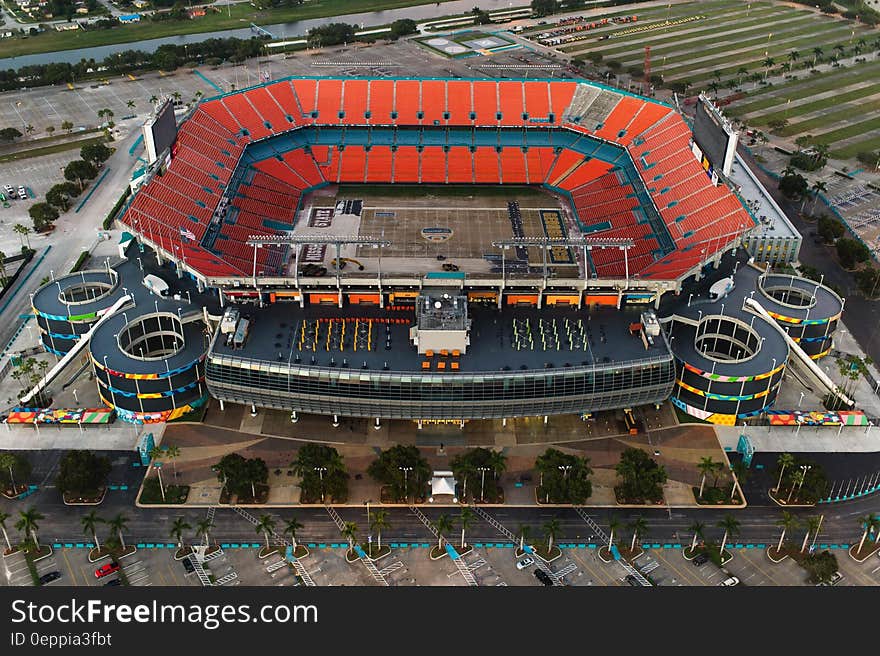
(809,439)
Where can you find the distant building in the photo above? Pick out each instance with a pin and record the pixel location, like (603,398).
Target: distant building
(130,18)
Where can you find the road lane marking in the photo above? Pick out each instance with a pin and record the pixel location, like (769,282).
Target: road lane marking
(70,567)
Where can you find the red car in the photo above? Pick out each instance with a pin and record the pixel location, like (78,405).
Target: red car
(105,570)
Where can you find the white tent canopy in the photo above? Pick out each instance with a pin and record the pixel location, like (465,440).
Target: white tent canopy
(443,483)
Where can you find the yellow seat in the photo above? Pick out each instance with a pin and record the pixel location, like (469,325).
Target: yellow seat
(426,364)
(441,365)
(455,365)
(429,353)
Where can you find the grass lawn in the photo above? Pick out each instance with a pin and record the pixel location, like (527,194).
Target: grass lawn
(50,150)
(823,103)
(852,150)
(853,130)
(829,118)
(242,15)
(708,30)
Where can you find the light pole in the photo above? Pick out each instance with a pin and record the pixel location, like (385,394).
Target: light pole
(406,471)
(564,469)
(800,399)
(321,471)
(482,471)
(367,504)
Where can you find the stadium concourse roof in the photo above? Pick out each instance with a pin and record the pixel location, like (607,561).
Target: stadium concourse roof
(242,162)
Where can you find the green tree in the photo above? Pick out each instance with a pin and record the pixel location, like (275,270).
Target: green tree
(821,567)
(118,525)
(3,517)
(67,126)
(96,153)
(730,524)
(784,461)
(14,467)
(829,229)
(79,171)
(541,8)
(403,27)
(178,528)
(813,524)
(172,452)
(705,467)
(203,527)
(466,518)
(23,231)
(265,525)
(793,186)
(551,530)
(564,478)
(379,522)
(28,524)
(403,469)
(82,473)
(290,528)
(156,454)
(442,524)
(9,134)
(349,532)
(613,525)
(322,472)
(638,526)
(851,252)
(697,528)
(787,522)
(471,467)
(241,476)
(90,523)
(642,478)
(43,215)
(524,533)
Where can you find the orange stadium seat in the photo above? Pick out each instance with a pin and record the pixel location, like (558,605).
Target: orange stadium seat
(268,109)
(513,166)
(282,93)
(329,101)
(458,99)
(243,111)
(434,102)
(589,170)
(407,98)
(306,93)
(354,93)
(379,164)
(537,99)
(220,113)
(460,165)
(486,165)
(510,95)
(354,164)
(433,165)
(561,94)
(617,120)
(381,101)
(565,163)
(486,102)
(406,164)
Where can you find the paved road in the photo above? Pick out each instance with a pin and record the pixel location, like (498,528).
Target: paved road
(74,233)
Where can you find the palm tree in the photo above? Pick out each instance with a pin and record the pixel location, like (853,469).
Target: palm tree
(156,454)
(819,187)
(613,525)
(349,532)
(551,530)
(740,73)
(290,528)
(378,523)
(153,99)
(813,524)
(730,524)
(740,473)
(787,523)
(178,528)
(130,104)
(524,534)
(768,64)
(794,55)
(467,517)
(442,524)
(797,478)
(3,517)
(866,523)
(713,86)
(817,52)
(697,528)
(7,460)
(265,525)
(706,466)
(27,524)
(638,526)
(50,129)
(90,526)
(203,527)
(785,459)
(29,128)
(22,231)
(119,524)
(172,452)
(67,125)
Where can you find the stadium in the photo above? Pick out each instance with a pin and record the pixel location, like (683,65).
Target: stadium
(430,249)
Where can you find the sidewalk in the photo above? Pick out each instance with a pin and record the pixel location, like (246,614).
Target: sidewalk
(111,437)
(809,439)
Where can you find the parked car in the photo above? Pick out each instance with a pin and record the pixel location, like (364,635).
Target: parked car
(700,560)
(10,191)
(730,581)
(113,582)
(22,193)
(542,576)
(525,562)
(632,580)
(106,570)
(188,566)
(49,577)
